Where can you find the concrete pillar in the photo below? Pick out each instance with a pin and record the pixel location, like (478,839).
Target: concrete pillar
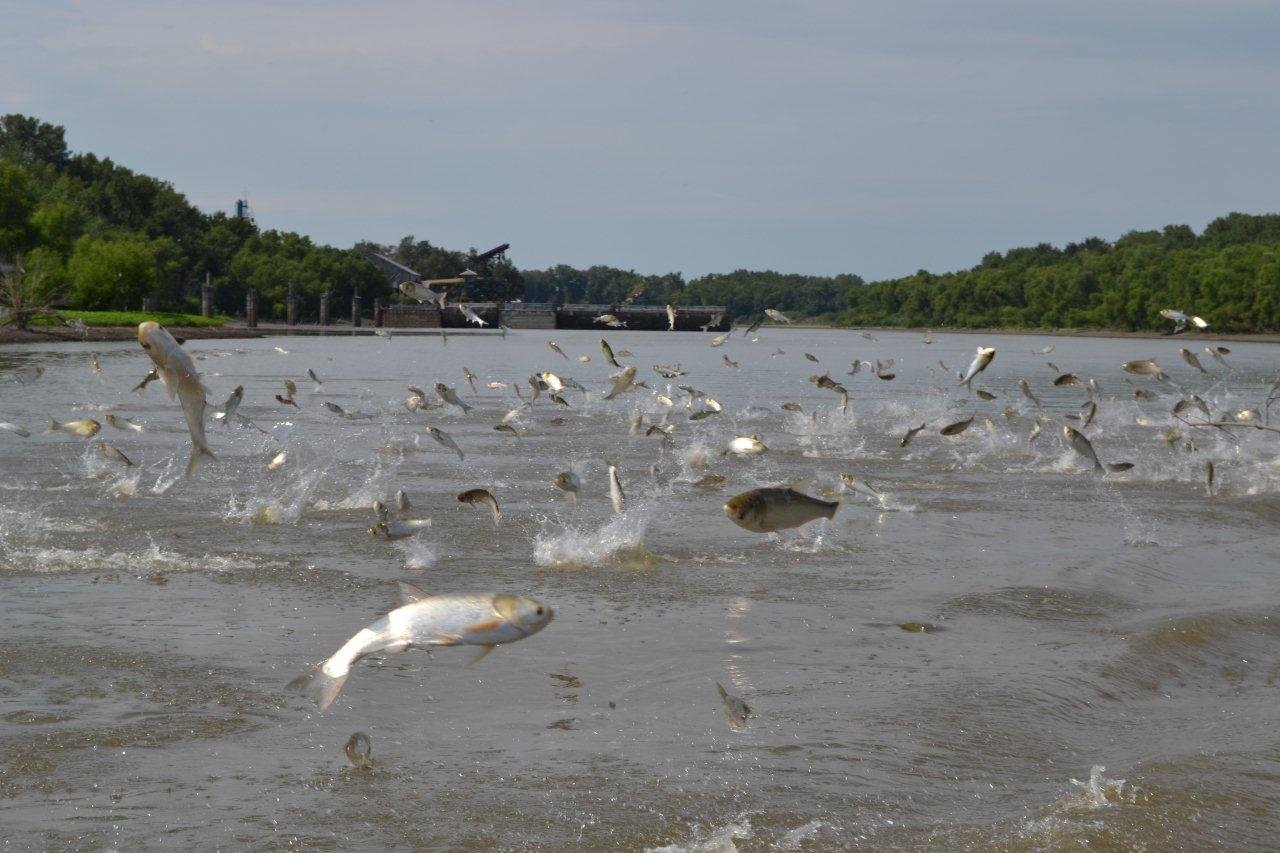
(324,308)
(291,306)
(206,298)
(251,308)
(377,313)
(355,310)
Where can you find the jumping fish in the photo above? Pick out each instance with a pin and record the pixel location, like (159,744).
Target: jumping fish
(86,428)
(728,362)
(278,460)
(146,380)
(229,408)
(395,530)
(624,381)
(359,750)
(1180,320)
(178,372)
(470,315)
(123,424)
(957,427)
(555,346)
(671,318)
(911,433)
(481,496)
(608,353)
(450,396)
(747,446)
(1190,358)
(773,509)
(15,429)
(775,314)
(445,439)
(428,620)
(736,711)
(107,451)
(471,379)
(863,488)
(980,361)
(615,489)
(1026,392)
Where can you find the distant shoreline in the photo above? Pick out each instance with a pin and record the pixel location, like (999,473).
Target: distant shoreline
(1246,337)
(62,334)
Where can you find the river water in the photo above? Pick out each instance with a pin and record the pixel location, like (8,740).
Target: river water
(1129,621)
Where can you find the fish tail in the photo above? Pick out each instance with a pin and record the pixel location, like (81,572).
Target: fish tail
(196,454)
(835,505)
(318,685)
(52,427)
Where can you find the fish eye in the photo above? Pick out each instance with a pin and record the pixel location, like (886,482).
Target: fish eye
(538,611)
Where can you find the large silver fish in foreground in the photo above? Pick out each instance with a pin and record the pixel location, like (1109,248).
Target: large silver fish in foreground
(428,620)
(178,372)
(771,510)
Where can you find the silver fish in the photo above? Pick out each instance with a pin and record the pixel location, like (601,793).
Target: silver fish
(445,439)
(1080,444)
(122,424)
(106,451)
(981,359)
(428,620)
(178,372)
(773,509)
(775,314)
(471,379)
(1190,358)
(957,427)
(736,711)
(671,318)
(911,433)
(450,396)
(15,429)
(359,750)
(624,381)
(863,488)
(229,408)
(555,346)
(615,489)
(86,428)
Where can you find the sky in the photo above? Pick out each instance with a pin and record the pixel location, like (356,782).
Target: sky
(875,138)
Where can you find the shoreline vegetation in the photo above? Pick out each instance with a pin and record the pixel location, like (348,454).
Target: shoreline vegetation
(235,330)
(95,235)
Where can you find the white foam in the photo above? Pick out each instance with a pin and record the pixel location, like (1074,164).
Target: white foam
(622,537)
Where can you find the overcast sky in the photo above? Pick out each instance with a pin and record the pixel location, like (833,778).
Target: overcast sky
(816,137)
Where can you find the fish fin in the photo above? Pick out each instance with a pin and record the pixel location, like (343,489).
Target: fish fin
(484,626)
(197,453)
(482,654)
(445,640)
(835,505)
(318,685)
(720,689)
(410,593)
(52,427)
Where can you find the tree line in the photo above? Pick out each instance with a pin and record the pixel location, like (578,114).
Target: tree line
(105,237)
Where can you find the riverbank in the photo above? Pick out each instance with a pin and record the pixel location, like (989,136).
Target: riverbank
(54,334)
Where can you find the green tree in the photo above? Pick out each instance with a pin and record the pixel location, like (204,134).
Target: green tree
(112,274)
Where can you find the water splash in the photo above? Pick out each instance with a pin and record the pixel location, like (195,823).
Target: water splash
(1100,791)
(619,541)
